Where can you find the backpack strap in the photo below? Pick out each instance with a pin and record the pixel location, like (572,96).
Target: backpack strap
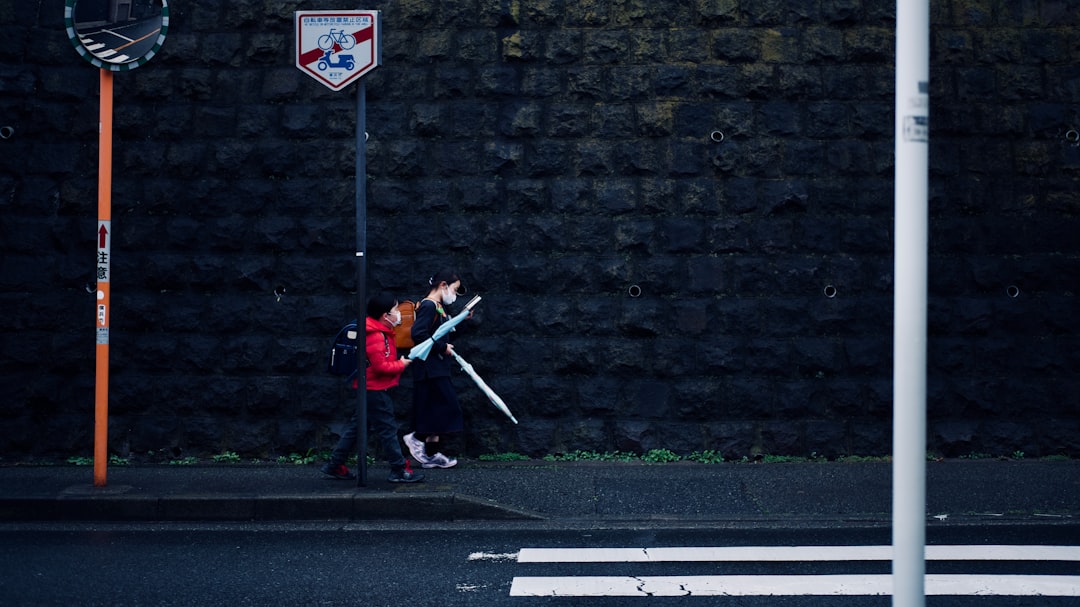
(386,345)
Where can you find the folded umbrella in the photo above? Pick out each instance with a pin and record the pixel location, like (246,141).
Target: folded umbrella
(494,398)
(422,350)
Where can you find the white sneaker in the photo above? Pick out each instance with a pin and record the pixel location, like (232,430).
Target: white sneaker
(416,447)
(439,461)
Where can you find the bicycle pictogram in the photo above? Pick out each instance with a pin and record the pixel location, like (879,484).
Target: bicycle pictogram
(345,41)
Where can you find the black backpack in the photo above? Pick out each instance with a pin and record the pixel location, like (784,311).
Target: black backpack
(343,353)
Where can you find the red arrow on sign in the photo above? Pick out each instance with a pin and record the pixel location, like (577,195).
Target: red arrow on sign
(102,233)
(313,55)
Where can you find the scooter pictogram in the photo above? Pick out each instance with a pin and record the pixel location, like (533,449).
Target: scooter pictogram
(343,61)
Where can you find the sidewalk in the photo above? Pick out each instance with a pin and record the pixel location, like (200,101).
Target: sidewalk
(958,491)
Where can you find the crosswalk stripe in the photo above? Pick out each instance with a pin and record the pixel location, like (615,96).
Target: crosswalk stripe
(488,556)
(792,585)
(793,554)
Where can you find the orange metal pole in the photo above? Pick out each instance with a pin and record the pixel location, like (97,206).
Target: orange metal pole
(104,263)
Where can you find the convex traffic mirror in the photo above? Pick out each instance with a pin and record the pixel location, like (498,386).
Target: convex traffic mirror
(117,35)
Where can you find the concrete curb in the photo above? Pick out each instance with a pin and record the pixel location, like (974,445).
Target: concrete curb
(434,506)
(811,493)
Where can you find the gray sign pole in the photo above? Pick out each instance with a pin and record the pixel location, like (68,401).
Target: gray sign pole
(361,285)
(335,48)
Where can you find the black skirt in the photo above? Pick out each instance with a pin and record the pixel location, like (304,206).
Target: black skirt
(436,409)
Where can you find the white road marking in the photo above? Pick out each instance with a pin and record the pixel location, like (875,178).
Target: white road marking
(792,554)
(792,585)
(488,556)
(789,585)
(115,33)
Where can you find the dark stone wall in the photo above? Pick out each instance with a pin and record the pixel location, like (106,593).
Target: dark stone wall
(560,155)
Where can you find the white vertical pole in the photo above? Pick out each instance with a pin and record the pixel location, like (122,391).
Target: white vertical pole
(909,302)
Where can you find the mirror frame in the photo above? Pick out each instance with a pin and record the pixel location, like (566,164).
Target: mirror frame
(73,36)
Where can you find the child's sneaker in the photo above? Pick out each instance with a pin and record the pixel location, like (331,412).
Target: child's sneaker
(416,447)
(340,471)
(404,475)
(439,461)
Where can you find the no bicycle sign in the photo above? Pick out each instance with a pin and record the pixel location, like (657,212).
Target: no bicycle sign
(337,47)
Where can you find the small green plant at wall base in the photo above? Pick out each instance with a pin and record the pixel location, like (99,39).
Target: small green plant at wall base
(114,460)
(660,456)
(187,461)
(295,458)
(863,459)
(227,457)
(1018,455)
(591,456)
(503,457)
(782,459)
(707,456)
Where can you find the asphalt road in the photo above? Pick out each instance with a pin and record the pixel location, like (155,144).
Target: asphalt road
(469,564)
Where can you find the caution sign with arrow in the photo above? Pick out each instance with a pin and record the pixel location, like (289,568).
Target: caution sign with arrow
(104,263)
(337,47)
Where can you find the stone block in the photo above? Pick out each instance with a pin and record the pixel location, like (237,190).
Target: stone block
(780,45)
(841,11)
(782,438)
(765,13)
(869,44)
(563,47)
(954,438)
(713,11)
(826,438)
(605,46)
(736,45)
(875,439)
(581,435)
(719,81)
(732,439)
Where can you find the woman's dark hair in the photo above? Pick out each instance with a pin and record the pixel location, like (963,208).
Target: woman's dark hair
(447,276)
(380,304)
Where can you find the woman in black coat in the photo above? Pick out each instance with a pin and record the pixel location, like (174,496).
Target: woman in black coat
(436,410)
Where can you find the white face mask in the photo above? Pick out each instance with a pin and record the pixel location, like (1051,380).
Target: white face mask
(450,297)
(395,318)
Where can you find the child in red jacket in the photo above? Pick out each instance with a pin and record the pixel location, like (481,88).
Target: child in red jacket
(384,369)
